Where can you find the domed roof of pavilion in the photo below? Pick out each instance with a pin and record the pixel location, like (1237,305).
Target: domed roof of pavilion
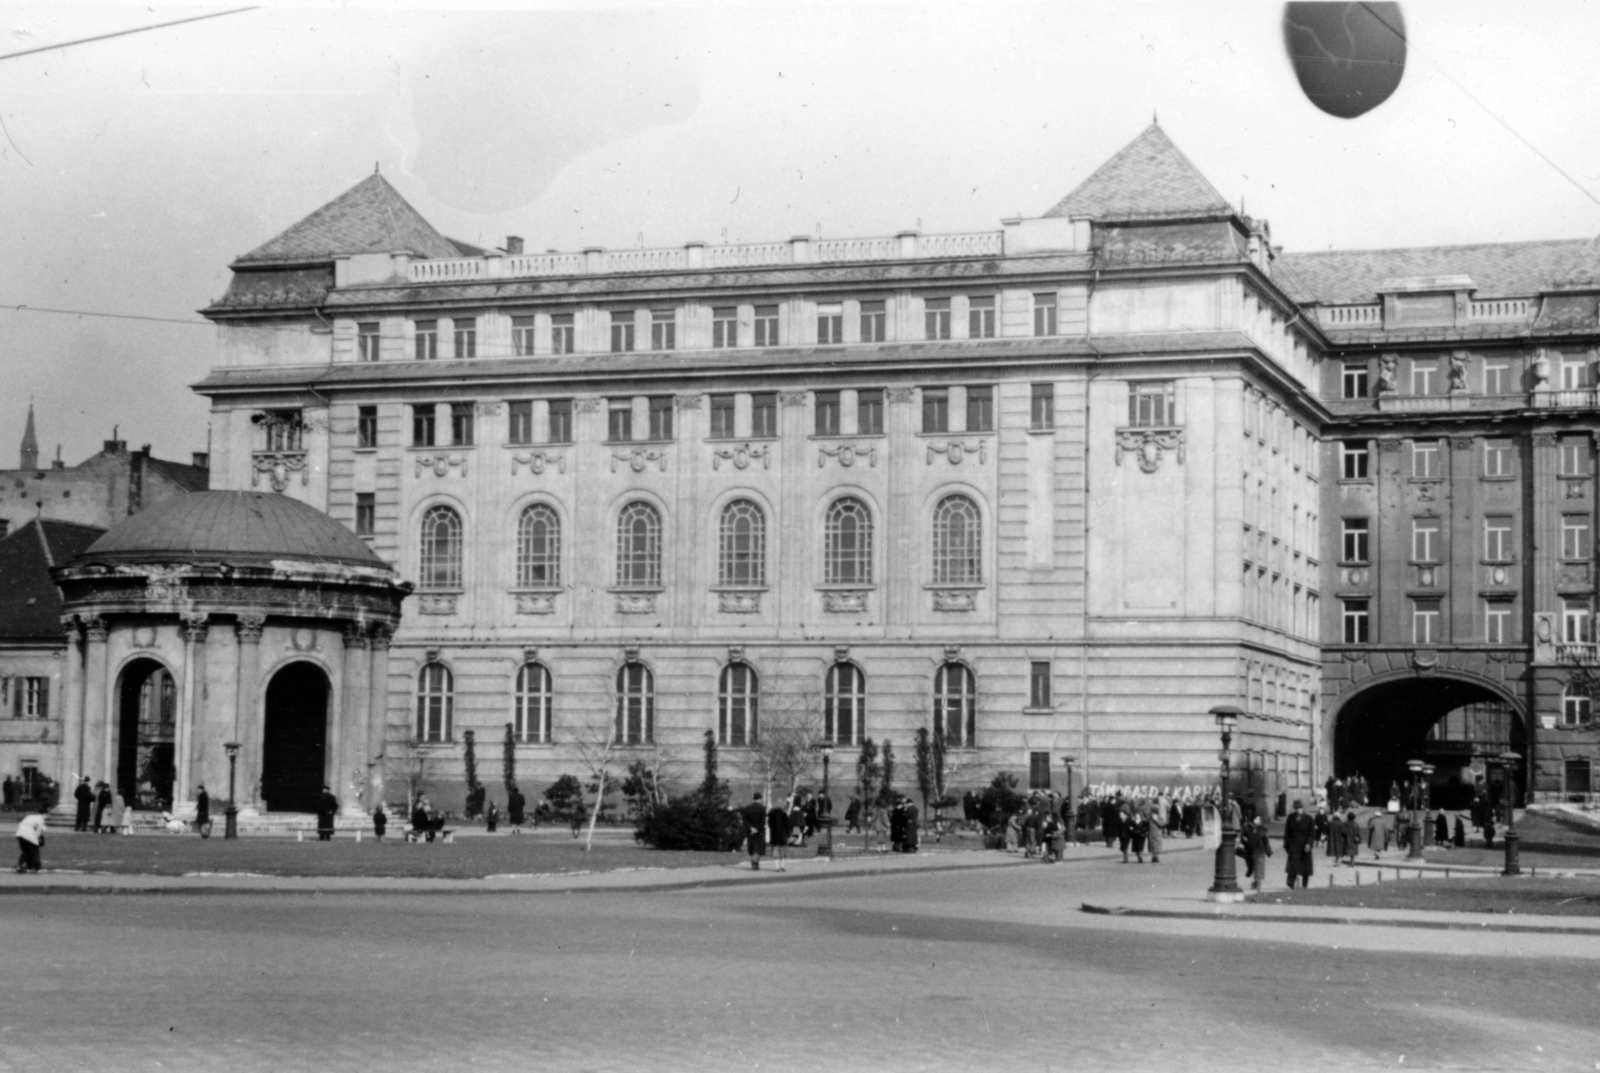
(232,527)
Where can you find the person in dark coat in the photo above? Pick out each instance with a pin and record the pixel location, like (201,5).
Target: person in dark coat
(908,835)
(202,811)
(1324,829)
(327,808)
(779,828)
(1441,829)
(421,826)
(1299,840)
(755,830)
(102,801)
(1136,828)
(1460,839)
(491,817)
(516,808)
(84,796)
(380,821)
(1111,824)
(1257,848)
(852,815)
(1352,836)
(897,826)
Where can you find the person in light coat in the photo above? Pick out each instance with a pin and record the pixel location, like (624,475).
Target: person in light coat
(30,840)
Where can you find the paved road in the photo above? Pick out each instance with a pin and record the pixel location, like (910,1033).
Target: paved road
(993,968)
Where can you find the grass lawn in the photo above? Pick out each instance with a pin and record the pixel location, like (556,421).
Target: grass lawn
(1554,897)
(1543,843)
(465,858)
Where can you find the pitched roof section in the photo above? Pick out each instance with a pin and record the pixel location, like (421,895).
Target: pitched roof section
(370,217)
(1583,271)
(1149,178)
(1498,270)
(234,527)
(30,603)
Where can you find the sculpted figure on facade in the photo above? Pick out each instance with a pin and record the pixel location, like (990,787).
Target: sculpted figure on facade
(1388,375)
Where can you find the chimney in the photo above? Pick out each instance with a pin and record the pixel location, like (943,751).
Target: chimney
(114,446)
(513,244)
(58,464)
(202,460)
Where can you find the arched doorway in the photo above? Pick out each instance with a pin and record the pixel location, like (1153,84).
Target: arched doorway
(147,734)
(294,745)
(1451,723)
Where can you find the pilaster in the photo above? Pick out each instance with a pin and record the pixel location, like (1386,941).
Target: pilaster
(247,716)
(349,730)
(97,736)
(71,705)
(377,711)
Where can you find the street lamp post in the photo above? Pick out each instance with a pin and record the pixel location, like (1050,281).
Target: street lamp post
(1508,760)
(1414,828)
(1225,885)
(825,848)
(1427,804)
(231,826)
(1071,818)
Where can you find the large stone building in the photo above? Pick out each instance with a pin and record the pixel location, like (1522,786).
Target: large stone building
(1052,491)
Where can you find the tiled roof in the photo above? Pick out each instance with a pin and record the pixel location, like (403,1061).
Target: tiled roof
(234,527)
(1585,267)
(1498,270)
(370,217)
(189,478)
(30,603)
(1149,179)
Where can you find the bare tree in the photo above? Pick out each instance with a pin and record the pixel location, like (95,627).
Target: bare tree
(410,761)
(788,745)
(595,747)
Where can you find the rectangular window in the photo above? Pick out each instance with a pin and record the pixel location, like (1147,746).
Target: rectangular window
(1425,460)
(1038,771)
(1572,375)
(366,514)
(563,334)
(869,411)
(980,409)
(766,325)
(1575,622)
(282,430)
(1355,380)
(725,327)
(1497,539)
(521,421)
(1357,621)
(619,420)
(30,697)
(1574,536)
(461,424)
(1425,622)
(874,322)
(1574,458)
(1424,540)
(422,424)
(1496,458)
(980,318)
(465,336)
(1044,314)
(1039,684)
(764,414)
(427,340)
(661,417)
(663,329)
(935,409)
(366,426)
(1496,622)
(1042,408)
(830,323)
(936,318)
(560,421)
(1422,375)
(622,331)
(1150,405)
(1356,535)
(1496,378)
(1578,772)
(827,413)
(367,340)
(522,336)
(1353,460)
(722,417)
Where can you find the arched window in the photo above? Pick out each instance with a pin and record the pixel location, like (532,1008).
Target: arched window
(844,704)
(533,704)
(440,562)
(955,705)
(738,697)
(957,542)
(636,705)
(743,556)
(639,547)
(1576,708)
(538,548)
(435,703)
(847,543)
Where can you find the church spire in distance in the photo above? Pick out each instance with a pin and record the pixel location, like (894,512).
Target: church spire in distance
(30,444)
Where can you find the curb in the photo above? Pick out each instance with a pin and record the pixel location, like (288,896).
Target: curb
(1376,922)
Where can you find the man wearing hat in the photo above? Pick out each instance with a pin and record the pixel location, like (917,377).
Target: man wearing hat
(755,829)
(1299,840)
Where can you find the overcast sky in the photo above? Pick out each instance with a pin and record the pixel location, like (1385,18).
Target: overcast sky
(133,170)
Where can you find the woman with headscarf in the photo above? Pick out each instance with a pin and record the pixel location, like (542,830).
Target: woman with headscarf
(779,828)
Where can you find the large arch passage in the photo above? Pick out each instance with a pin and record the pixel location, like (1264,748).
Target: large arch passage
(1385,725)
(147,721)
(294,744)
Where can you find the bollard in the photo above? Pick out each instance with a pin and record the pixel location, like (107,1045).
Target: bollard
(358,834)
(1358,879)
(1330,880)
(299,836)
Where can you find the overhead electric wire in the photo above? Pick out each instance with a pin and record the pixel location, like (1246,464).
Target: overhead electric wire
(123,33)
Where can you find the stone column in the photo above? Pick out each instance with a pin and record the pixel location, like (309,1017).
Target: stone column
(98,760)
(71,707)
(377,712)
(247,714)
(899,587)
(349,732)
(194,635)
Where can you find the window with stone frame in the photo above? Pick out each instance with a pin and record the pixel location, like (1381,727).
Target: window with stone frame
(742,546)
(639,547)
(282,430)
(1497,546)
(1042,407)
(957,542)
(1426,621)
(980,408)
(535,702)
(1353,380)
(522,334)
(425,339)
(764,414)
(955,705)
(367,340)
(520,424)
(869,411)
(435,703)
(1354,458)
(725,327)
(847,543)
(560,411)
(1575,537)
(1355,546)
(465,336)
(1356,620)
(1497,622)
(563,334)
(1152,404)
(538,547)
(738,704)
(1044,313)
(366,427)
(663,329)
(844,704)
(424,419)
(439,558)
(462,424)
(366,514)
(830,323)
(660,410)
(980,317)
(874,322)
(622,326)
(766,325)
(935,409)
(1577,708)
(636,705)
(936,318)
(1576,613)
(722,411)
(825,410)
